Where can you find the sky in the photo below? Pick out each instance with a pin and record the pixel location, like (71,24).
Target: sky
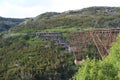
(32,8)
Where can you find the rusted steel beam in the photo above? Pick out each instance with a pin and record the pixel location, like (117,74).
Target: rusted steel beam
(102,43)
(94,40)
(102,39)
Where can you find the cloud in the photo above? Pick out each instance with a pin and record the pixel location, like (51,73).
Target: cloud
(27,3)
(10,10)
(63,5)
(31,8)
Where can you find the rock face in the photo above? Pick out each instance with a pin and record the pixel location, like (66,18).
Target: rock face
(54,36)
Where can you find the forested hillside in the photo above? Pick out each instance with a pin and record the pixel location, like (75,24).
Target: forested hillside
(31,58)
(7,23)
(95,17)
(26,56)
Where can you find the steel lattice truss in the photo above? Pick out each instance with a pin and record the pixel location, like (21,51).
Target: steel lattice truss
(101,39)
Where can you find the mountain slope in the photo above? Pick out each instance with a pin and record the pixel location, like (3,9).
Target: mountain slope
(95,17)
(7,23)
(31,58)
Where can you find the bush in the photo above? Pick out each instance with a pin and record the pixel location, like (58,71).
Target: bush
(41,60)
(106,69)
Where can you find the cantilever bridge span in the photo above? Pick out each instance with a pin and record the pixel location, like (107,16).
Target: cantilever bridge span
(101,40)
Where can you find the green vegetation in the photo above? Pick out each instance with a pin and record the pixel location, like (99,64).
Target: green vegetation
(24,57)
(106,69)
(93,17)
(7,23)
(29,58)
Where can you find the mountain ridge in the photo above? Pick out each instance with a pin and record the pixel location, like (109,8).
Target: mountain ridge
(7,23)
(95,17)
(91,17)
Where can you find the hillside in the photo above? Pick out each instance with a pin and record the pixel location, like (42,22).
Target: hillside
(44,56)
(94,17)
(7,23)
(30,58)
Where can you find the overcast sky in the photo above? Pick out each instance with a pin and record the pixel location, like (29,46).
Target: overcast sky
(32,8)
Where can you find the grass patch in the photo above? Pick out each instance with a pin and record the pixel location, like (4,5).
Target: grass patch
(35,40)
